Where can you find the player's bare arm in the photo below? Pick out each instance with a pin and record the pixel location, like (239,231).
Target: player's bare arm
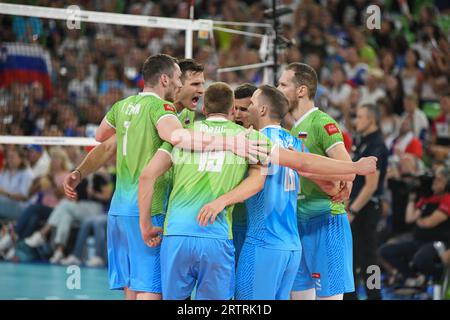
(104,131)
(94,160)
(158,165)
(313,163)
(246,189)
(171,130)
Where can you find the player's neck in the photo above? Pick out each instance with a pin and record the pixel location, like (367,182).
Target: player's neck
(263,122)
(216,115)
(178,106)
(303,107)
(156,90)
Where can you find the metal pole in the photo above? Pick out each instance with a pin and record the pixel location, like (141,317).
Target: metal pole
(275,54)
(189,33)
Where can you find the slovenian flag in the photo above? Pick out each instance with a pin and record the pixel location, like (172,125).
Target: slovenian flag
(25,63)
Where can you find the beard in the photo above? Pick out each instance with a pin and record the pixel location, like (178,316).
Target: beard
(293,103)
(170,96)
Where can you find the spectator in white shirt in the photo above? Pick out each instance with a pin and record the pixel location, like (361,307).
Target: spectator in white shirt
(339,94)
(372,92)
(39,160)
(82,87)
(419,121)
(356,70)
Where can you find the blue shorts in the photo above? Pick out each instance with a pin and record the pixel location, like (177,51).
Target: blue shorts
(186,260)
(327,259)
(266,274)
(131,263)
(239,232)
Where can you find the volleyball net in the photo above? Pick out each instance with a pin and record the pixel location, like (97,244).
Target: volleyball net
(61,69)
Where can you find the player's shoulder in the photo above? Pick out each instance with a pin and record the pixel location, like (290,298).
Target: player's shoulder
(321,117)
(125,100)
(154,100)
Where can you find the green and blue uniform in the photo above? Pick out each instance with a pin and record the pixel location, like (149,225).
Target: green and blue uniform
(131,263)
(324,229)
(271,254)
(192,253)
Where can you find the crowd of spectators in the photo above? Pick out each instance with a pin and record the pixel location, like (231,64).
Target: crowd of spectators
(403,68)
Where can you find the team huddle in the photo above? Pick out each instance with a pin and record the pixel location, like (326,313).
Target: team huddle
(245,204)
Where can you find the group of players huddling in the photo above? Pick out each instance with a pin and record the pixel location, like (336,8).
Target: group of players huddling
(265,152)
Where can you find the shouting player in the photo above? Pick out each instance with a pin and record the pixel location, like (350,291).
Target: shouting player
(200,178)
(143,122)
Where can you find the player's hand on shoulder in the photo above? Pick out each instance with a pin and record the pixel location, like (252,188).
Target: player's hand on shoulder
(251,149)
(209,212)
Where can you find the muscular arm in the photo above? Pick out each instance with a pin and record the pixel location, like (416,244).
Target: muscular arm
(104,131)
(158,165)
(339,152)
(98,156)
(170,130)
(312,163)
(91,163)
(247,188)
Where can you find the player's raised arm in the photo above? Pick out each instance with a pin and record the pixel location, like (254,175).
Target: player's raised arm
(158,165)
(95,159)
(312,163)
(246,189)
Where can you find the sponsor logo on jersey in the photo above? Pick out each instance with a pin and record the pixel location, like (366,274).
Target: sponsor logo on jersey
(331,129)
(315,275)
(169,107)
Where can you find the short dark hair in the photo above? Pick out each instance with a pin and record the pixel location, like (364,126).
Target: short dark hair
(374,111)
(157,65)
(277,101)
(244,90)
(218,98)
(304,76)
(189,65)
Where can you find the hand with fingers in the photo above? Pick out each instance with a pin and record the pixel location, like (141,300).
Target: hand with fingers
(151,235)
(344,193)
(71,181)
(209,212)
(252,149)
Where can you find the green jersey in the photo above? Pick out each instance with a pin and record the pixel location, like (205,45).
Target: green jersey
(201,177)
(186,117)
(135,119)
(322,134)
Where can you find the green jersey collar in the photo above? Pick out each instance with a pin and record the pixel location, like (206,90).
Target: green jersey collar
(148,93)
(217,119)
(303,117)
